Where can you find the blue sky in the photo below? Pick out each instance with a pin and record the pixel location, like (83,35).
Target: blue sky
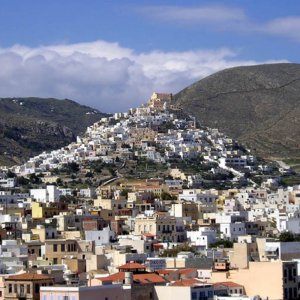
(112,54)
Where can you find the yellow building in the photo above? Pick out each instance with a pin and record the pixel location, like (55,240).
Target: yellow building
(43,210)
(159,100)
(25,286)
(161,226)
(176,173)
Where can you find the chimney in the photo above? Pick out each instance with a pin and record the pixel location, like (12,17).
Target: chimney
(128,278)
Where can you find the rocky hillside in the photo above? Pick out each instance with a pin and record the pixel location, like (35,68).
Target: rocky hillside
(29,126)
(257,105)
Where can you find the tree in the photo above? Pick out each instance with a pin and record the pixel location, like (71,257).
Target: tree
(176,249)
(224,243)
(59,182)
(97,166)
(124,193)
(166,196)
(10,174)
(112,172)
(22,181)
(286,236)
(124,146)
(34,179)
(72,167)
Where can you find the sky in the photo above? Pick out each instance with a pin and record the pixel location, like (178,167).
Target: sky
(111,55)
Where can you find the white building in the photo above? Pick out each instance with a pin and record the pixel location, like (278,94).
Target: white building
(101,237)
(203,237)
(50,194)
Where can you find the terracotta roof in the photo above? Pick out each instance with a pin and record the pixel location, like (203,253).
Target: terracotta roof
(141,278)
(149,234)
(120,276)
(188,282)
(228,284)
(187,271)
(29,277)
(148,278)
(132,265)
(165,272)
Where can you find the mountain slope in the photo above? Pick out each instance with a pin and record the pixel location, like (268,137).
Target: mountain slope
(257,105)
(29,126)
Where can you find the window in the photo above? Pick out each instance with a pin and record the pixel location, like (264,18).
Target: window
(37,288)
(44,297)
(15,288)
(73,298)
(10,288)
(63,247)
(65,297)
(22,289)
(28,288)
(54,247)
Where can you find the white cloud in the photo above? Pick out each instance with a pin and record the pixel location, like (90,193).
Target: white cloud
(286,27)
(223,18)
(197,14)
(104,75)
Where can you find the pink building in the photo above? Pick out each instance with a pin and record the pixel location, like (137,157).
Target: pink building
(105,292)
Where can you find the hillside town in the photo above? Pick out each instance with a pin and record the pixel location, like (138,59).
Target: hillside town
(149,204)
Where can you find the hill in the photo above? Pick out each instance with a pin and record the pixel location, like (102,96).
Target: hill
(29,126)
(257,105)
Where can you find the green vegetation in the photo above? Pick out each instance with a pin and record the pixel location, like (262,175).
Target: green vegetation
(146,169)
(167,196)
(193,166)
(70,168)
(97,166)
(288,236)
(290,180)
(224,243)
(124,193)
(175,250)
(294,163)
